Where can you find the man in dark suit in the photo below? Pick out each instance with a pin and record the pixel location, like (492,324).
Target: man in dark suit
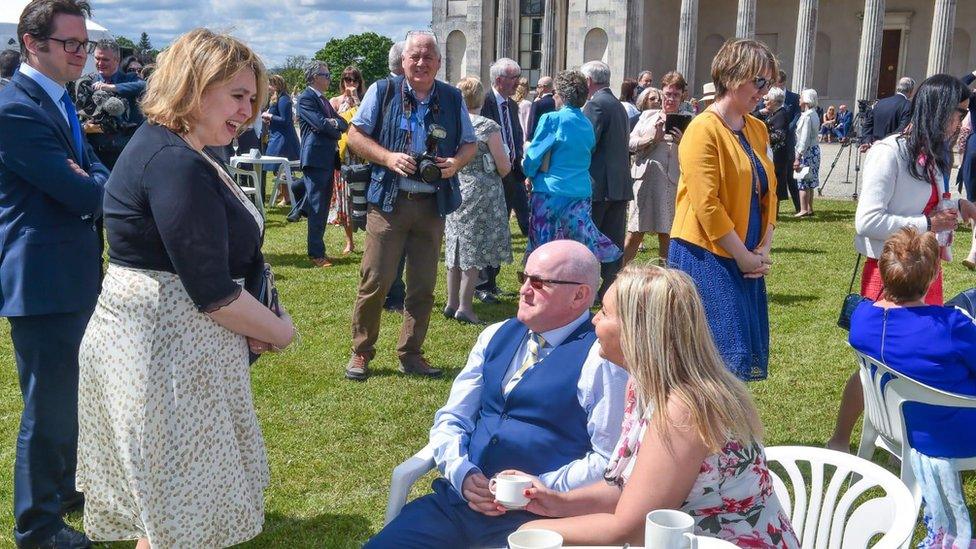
(889,115)
(543,103)
(107,142)
(321,129)
(613,187)
(51,187)
(499,106)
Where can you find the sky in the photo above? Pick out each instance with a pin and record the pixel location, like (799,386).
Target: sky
(275,29)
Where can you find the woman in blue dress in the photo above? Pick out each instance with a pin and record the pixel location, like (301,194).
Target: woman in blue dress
(282,137)
(934,345)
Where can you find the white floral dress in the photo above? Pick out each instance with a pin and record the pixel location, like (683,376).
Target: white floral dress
(733,497)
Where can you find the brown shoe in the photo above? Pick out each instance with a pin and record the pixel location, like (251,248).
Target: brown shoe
(418,366)
(357,369)
(321,262)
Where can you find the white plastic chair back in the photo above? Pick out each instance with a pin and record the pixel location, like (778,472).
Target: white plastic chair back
(825,516)
(885,394)
(247,180)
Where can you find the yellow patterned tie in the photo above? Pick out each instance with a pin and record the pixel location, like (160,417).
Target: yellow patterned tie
(534,345)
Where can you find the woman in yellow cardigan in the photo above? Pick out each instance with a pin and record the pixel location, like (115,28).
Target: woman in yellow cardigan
(724,211)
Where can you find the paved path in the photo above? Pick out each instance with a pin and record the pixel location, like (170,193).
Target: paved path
(840,184)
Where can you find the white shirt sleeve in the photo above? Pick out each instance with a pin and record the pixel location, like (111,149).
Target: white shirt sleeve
(601,392)
(873,217)
(454,423)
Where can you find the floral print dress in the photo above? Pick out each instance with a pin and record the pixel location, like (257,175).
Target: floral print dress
(733,497)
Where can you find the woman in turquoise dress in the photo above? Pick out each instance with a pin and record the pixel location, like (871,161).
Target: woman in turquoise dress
(558,163)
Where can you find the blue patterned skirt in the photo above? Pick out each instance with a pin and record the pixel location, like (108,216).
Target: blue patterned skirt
(810,158)
(555,217)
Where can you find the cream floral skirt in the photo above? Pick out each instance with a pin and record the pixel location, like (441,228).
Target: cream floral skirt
(169,446)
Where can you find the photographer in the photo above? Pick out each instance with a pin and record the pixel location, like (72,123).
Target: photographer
(390,130)
(108,130)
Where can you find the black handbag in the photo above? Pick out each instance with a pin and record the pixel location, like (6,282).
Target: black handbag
(851,301)
(268,295)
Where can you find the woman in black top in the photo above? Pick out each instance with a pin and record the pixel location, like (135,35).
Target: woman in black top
(170,451)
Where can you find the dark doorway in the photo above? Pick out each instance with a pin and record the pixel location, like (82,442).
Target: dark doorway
(890,50)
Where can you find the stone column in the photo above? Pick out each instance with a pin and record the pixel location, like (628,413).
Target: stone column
(869,58)
(687,41)
(634,44)
(550,40)
(943,24)
(505,32)
(745,21)
(806,45)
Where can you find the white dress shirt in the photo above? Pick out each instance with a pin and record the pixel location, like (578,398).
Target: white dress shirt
(600,392)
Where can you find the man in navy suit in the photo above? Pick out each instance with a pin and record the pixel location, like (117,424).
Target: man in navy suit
(321,129)
(500,107)
(889,115)
(108,145)
(50,264)
(543,103)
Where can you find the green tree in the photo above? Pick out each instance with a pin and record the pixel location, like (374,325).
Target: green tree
(293,71)
(144,46)
(367,51)
(125,43)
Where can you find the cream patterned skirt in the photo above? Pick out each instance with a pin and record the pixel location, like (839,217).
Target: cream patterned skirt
(169,446)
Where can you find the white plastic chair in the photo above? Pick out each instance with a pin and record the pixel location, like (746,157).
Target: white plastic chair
(822,516)
(404,475)
(247,180)
(884,418)
(293,165)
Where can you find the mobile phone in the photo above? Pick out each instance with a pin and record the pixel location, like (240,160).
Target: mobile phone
(677,120)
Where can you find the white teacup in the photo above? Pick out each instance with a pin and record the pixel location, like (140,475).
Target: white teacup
(255,153)
(508,490)
(535,539)
(667,528)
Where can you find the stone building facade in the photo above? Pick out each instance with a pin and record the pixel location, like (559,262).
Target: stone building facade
(845,49)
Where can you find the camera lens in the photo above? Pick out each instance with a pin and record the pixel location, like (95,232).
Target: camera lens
(429,172)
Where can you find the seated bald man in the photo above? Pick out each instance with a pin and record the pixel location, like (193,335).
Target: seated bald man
(535,395)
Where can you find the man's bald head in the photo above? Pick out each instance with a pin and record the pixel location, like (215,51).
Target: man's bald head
(544,85)
(557,304)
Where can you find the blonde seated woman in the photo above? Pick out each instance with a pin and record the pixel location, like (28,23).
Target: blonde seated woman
(691,433)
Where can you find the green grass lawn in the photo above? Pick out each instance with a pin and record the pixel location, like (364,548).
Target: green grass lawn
(332,443)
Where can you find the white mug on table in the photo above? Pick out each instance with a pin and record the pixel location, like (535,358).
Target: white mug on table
(669,528)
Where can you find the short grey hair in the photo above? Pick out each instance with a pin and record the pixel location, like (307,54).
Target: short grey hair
(776,95)
(107,44)
(395,57)
(545,82)
(413,36)
(905,85)
(571,87)
(503,67)
(809,96)
(597,71)
(312,69)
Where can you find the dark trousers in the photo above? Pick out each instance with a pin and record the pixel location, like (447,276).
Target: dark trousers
(611,218)
(414,229)
(517,200)
(46,352)
(313,195)
(398,291)
(444,520)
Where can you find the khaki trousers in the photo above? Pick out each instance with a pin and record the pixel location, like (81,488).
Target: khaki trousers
(412,227)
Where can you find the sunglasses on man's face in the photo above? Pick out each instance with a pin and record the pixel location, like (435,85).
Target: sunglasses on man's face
(537,282)
(761,83)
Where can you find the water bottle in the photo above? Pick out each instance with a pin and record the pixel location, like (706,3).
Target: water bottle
(945,237)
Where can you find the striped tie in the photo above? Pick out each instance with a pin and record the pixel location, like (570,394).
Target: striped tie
(533,346)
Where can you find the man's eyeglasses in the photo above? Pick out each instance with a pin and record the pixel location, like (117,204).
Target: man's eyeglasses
(762,83)
(72,46)
(324,74)
(538,282)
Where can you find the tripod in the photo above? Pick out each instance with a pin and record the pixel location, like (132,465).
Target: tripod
(852,150)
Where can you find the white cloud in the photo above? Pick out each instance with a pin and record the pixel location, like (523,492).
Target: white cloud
(274,28)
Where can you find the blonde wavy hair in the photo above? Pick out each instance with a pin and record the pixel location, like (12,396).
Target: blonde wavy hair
(670,354)
(195,62)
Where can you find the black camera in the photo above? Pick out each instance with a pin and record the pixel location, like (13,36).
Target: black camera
(102,107)
(427,170)
(863,105)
